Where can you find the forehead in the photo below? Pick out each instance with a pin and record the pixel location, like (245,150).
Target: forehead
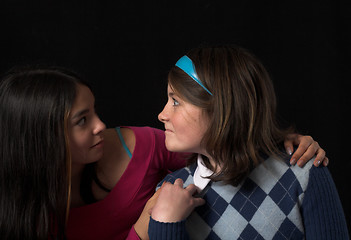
(171,91)
(84,97)
(169,88)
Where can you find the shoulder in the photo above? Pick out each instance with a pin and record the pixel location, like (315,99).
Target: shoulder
(131,136)
(322,209)
(113,145)
(278,170)
(115,159)
(147,135)
(144,130)
(186,174)
(321,179)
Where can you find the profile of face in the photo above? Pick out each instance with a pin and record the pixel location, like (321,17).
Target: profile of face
(185,124)
(85,128)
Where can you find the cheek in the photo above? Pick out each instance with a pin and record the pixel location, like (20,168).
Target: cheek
(79,145)
(196,131)
(191,133)
(76,141)
(77,150)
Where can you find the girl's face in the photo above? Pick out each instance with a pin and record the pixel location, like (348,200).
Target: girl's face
(185,124)
(85,128)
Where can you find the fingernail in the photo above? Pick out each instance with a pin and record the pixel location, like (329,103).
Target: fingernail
(289,151)
(319,162)
(292,161)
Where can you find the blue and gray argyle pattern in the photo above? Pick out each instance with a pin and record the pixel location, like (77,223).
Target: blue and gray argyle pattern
(264,206)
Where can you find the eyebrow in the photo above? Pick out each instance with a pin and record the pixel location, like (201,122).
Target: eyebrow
(172,94)
(80,113)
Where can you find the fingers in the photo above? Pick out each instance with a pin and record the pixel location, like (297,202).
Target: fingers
(199,201)
(320,157)
(288,143)
(175,203)
(303,143)
(192,189)
(306,149)
(304,140)
(179,182)
(325,161)
(304,156)
(288,147)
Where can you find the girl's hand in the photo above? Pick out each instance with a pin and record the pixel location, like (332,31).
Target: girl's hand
(175,203)
(307,148)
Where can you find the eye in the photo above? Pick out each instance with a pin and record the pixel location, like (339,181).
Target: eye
(175,102)
(82,121)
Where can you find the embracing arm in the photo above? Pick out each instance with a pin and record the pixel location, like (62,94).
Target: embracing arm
(307,148)
(321,208)
(140,228)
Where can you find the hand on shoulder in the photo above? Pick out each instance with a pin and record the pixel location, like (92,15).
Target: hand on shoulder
(175,203)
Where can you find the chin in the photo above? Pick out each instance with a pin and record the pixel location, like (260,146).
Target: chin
(170,147)
(175,148)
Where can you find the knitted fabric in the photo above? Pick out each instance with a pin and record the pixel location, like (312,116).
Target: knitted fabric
(276,201)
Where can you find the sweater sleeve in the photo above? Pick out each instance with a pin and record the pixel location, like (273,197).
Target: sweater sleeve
(169,231)
(321,208)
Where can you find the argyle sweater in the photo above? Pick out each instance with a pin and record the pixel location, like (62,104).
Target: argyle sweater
(276,201)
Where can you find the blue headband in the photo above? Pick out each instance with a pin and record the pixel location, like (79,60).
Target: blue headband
(188,67)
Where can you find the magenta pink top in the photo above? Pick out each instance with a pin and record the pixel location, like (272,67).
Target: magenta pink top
(114,216)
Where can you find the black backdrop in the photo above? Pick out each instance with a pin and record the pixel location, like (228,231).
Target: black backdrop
(125,49)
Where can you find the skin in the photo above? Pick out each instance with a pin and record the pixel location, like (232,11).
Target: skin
(85,129)
(185,126)
(178,196)
(90,141)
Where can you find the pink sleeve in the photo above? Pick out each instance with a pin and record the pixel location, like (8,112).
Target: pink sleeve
(132,235)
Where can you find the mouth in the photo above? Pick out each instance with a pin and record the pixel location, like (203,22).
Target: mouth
(98,144)
(168,130)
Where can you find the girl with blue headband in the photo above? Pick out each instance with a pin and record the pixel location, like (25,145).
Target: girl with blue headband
(63,175)
(221,107)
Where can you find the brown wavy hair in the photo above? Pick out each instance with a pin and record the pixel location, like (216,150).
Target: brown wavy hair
(242,110)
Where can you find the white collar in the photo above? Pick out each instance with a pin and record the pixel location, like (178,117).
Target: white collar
(201,173)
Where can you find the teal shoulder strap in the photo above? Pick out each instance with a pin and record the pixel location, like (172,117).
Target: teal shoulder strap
(118,129)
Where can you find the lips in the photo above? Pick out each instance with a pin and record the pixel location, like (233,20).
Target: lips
(100,143)
(168,130)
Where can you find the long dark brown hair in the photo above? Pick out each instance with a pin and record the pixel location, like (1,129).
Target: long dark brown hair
(242,110)
(34,154)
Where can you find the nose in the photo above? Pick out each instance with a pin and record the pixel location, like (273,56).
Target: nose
(163,116)
(99,126)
